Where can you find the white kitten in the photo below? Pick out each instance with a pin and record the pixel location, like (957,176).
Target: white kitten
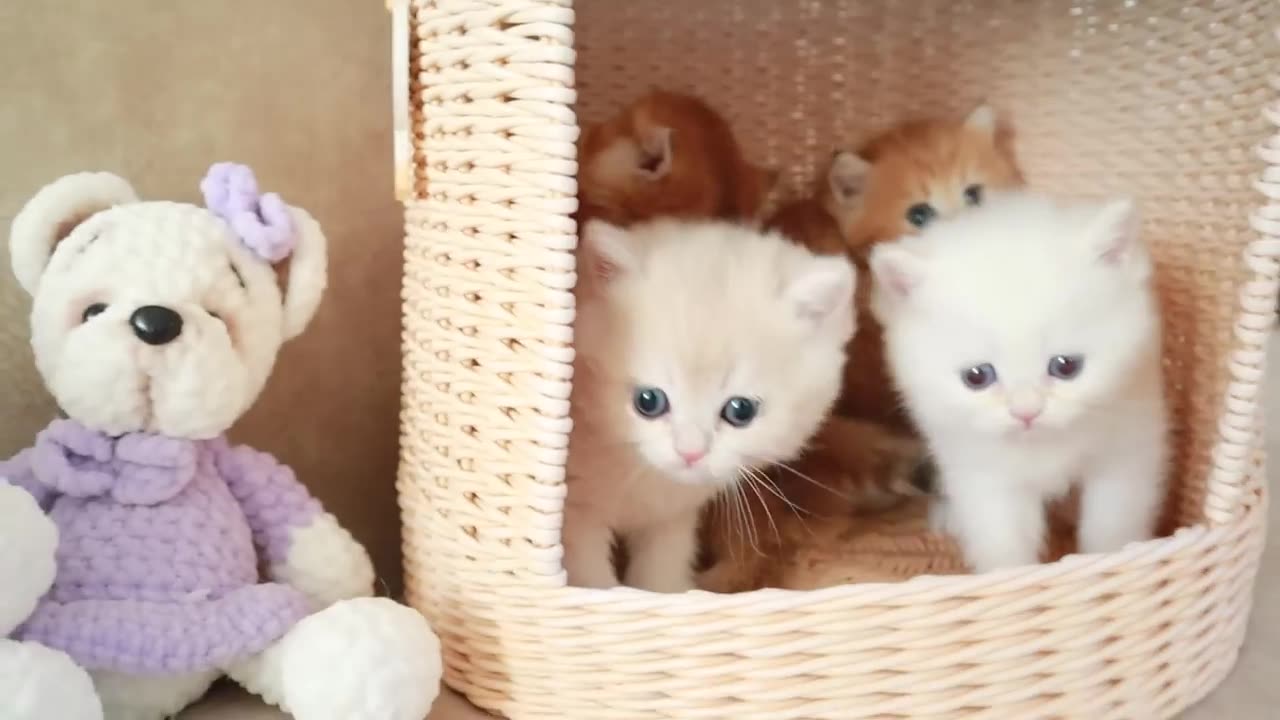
(703,348)
(1024,336)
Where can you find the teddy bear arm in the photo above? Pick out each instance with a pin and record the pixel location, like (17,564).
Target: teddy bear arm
(16,471)
(303,545)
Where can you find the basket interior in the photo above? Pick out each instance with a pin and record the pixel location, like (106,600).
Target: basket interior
(1158,100)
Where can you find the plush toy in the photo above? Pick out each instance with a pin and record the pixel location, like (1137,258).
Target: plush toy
(36,682)
(155,325)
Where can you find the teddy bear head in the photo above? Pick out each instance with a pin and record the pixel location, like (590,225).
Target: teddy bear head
(163,317)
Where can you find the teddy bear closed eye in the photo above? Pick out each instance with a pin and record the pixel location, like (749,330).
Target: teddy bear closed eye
(182,557)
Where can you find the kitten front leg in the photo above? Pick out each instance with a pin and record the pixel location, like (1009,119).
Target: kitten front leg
(588,550)
(998,525)
(1120,500)
(662,555)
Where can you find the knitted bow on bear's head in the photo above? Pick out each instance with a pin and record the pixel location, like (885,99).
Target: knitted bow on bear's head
(261,220)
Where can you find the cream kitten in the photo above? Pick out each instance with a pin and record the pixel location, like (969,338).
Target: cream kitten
(703,348)
(1025,338)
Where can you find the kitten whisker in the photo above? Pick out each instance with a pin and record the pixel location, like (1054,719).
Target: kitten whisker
(799,512)
(750,519)
(808,479)
(722,498)
(764,506)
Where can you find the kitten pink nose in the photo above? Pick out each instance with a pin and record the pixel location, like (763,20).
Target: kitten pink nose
(1025,415)
(692,456)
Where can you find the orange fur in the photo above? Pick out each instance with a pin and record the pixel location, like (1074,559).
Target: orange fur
(928,161)
(668,154)
(852,467)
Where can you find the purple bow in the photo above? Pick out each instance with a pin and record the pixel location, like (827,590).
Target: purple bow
(262,221)
(137,469)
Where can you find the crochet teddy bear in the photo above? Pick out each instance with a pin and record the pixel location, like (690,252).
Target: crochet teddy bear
(36,682)
(181,556)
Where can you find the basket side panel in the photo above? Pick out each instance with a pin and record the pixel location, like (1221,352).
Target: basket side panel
(488,303)
(1142,635)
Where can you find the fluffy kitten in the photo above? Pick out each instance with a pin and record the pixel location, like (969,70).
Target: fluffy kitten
(688,374)
(852,467)
(916,173)
(1025,337)
(668,155)
(812,221)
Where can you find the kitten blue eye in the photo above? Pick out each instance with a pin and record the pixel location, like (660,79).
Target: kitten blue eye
(921,214)
(973,195)
(1066,367)
(978,377)
(739,411)
(650,402)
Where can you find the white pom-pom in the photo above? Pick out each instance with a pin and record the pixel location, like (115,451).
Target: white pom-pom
(28,541)
(37,683)
(362,659)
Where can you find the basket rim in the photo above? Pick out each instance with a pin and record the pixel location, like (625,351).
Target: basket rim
(1071,569)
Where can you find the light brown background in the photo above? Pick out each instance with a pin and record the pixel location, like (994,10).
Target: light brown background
(300,89)
(156,90)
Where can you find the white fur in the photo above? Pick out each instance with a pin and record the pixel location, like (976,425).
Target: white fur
(148,697)
(361,659)
(39,683)
(705,311)
(83,241)
(155,253)
(326,563)
(308,274)
(1014,283)
(54,211)
(28,540)
(36,682)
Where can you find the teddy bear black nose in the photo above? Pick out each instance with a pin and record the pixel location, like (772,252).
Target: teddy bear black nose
(155,325)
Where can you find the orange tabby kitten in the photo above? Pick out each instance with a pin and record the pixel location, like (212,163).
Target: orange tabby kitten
(812,221)
(915,172)
(668,154)
(925,169)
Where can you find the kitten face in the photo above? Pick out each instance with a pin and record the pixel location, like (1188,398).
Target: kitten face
(1020,319)
(711,347)
(668,155)
(921,172)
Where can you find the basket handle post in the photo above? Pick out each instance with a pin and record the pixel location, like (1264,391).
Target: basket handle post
(402,151)
(1241,427)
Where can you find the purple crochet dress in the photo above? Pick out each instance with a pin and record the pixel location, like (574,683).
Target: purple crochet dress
(158,572)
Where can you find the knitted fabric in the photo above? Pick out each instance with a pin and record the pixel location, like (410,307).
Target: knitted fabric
(157,565)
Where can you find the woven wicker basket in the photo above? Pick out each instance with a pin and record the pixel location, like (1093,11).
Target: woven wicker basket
(1175,102)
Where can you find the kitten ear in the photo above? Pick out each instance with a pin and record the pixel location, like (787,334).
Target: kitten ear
(847,175)
(983,119)
(1115,234)
(822,288)
(897,271)
(655,153)
(607,250)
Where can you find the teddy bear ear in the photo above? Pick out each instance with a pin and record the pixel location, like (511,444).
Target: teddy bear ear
(56,210)
(307,276)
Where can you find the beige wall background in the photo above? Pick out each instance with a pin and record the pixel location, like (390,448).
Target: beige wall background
(299,89)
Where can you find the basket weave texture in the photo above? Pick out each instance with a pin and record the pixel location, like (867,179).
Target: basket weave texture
(1177,103)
